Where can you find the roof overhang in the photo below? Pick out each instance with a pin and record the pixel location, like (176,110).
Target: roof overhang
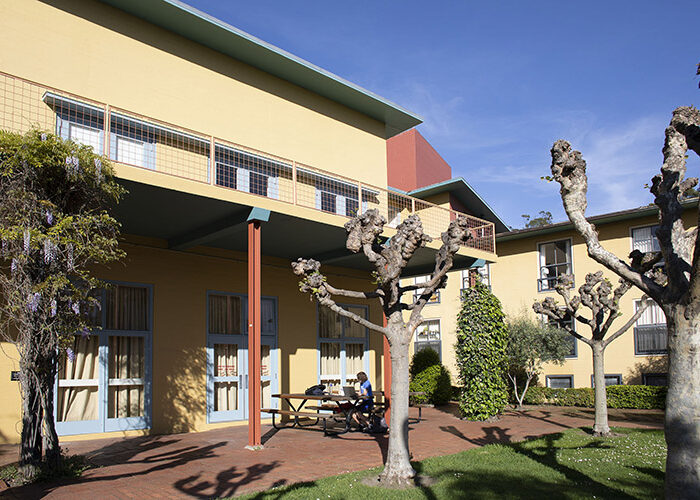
(467,196)
(206,30)
(633,213)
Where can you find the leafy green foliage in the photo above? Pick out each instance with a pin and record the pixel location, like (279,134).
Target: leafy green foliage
(434,381)
(481,354)
(641,397)
(544,219)
(423,359)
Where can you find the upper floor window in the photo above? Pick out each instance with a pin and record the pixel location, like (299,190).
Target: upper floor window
(428,336)
(650,331)
(644,239)
(248,172)
(434,299)
(555,261)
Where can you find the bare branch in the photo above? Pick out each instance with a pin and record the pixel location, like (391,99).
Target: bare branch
(354,294)
(629,323)
(569,170)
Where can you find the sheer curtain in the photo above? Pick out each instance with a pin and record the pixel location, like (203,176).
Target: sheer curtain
(126,377)
(79,402)
(225,365)
(225,314)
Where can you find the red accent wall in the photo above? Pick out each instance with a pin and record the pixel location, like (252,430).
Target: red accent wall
(412,162)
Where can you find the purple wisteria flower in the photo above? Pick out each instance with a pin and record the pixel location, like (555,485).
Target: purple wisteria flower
(33,301)
(49,217)
(70,354)
(85,332)
(13,266)
(76,308)
(69,247)
(49,251)
(54,307)
(44,137)
(27,241)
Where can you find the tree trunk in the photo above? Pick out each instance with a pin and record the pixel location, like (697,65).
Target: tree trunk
(682,425)
(397,470)
(32,415)
(53,449)
(600,425)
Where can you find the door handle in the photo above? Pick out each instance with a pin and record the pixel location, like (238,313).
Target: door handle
(246,381)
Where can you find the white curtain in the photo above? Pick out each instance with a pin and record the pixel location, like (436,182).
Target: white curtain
(330,358)
(225,360)
(225,314)
(225,396)
(79,402)
(354,354)
(127,308)
(126,361)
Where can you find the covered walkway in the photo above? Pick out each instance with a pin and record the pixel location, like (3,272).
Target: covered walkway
(215,463)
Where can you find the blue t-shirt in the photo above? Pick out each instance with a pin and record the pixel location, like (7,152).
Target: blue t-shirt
(366,389)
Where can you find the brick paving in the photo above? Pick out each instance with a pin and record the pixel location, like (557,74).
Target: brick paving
(215,463)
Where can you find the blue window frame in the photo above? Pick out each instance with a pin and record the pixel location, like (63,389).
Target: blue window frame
(342,348)
(227,355)
(107,385)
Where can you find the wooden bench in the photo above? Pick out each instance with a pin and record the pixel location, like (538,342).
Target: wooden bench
(300,414)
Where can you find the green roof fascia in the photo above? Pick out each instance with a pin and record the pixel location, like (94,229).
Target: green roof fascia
(206,30)
(466,194)
(634,213)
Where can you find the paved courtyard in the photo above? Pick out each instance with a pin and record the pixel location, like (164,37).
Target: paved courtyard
(215,463)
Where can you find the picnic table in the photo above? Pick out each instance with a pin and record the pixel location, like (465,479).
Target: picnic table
(327,402)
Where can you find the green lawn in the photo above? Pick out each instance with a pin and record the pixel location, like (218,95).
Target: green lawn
(568,465)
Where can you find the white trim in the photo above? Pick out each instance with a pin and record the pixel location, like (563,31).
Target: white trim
(537,256)
(79,382)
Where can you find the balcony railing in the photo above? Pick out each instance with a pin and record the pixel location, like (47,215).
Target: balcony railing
(145,142)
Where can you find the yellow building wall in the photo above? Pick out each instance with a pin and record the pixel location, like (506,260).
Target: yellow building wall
(101,53)
(514,282)
(180,283)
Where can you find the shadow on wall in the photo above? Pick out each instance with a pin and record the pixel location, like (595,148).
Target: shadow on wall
(651,364)
(181,399)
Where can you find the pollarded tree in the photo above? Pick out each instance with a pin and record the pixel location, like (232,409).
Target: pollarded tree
(53,226)
(530,345)
(679,296)
(481,354)
(389,261)
(596,294)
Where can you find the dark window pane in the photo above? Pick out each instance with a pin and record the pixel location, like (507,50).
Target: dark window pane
(654,379)
(560,382)
(327,202)
(258,184)
(351,207)
(650,339)
(226,175)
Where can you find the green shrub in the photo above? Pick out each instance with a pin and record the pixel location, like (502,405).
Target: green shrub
(423,359)
(434,381)
(640,397)
(481,354)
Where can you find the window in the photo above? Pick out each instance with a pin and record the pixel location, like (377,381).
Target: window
(434,299)
(609,380)
(106,385)
(568,322)
(78,121)
(342,345)
(248,172)
(644,239)
(654,379)
(560,381)
(555,261)
(428,335)
(650,330)
(483,274)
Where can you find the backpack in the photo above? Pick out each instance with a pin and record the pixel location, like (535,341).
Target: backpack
(377,425)
(315,390)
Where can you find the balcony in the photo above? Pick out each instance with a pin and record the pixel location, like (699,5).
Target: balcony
(141,142)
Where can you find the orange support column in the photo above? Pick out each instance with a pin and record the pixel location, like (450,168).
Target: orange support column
(387,375)
(254,351)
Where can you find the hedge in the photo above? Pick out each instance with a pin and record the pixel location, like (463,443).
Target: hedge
(640,397)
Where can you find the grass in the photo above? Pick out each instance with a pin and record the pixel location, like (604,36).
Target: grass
(72,466)
(568,465)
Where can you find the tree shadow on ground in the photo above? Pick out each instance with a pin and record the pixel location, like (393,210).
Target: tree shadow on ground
(142,456)
(491,435)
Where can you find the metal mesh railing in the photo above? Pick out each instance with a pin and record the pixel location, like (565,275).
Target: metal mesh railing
(144,142)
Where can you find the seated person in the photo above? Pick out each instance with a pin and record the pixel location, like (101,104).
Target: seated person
(367,401)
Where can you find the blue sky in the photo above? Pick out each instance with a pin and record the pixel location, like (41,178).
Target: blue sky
(498,82)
